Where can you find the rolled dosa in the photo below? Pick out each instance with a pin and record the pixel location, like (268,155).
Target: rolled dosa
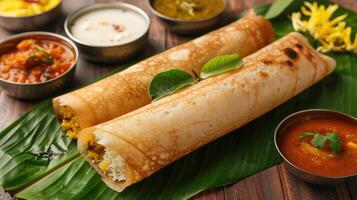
(129,148)
(127,90)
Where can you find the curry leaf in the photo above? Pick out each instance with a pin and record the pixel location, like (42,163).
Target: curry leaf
(335,142)
(168,82)
(221,64)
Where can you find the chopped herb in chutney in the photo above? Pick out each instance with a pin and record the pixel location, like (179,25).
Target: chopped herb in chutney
(319,140)
(189,9)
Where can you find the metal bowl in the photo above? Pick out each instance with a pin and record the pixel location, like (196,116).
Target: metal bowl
(30,91)
(306,115)
(189,27)
(32,22)
(108,53)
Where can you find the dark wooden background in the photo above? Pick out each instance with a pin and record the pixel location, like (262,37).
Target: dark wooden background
(273,183)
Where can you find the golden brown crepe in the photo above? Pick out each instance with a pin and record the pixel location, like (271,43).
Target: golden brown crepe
(127,90)
(130,148)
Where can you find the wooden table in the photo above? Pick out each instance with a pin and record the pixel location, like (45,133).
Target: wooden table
(273,183)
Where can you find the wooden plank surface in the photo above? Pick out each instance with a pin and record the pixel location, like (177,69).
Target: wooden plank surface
(273,183)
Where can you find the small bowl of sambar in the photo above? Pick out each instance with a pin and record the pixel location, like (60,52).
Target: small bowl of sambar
(189,16)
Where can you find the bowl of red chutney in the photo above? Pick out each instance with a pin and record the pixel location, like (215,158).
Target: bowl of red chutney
(319,146)
(35,65)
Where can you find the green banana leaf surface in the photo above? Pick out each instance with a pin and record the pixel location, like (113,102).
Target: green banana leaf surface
(38,162)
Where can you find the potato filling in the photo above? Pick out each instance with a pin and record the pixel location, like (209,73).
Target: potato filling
(352,145)
(69,122)
(95,151)
(108,161)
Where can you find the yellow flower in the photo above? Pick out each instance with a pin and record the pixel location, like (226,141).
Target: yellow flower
(332,33)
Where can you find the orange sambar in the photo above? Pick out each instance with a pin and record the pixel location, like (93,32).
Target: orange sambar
(321,161)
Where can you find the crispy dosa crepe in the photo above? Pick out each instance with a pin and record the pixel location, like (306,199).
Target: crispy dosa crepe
(127,90)
(131,147)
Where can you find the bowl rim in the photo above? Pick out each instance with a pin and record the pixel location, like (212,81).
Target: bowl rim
(158,14)
(97,6)
(308,112)
(35,15)
(41,33)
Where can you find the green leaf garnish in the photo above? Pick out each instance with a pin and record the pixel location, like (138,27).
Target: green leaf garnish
(38,58)
(306,134)
(168,82)
(318,140)
(335,142)
(221,64)
(277,8)
(46,57)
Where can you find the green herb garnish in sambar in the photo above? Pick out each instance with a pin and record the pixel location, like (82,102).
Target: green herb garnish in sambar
(189,9)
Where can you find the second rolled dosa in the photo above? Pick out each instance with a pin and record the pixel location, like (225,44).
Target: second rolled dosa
(131,147)
(127,90)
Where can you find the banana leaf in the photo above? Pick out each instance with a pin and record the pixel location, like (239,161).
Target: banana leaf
(37,162)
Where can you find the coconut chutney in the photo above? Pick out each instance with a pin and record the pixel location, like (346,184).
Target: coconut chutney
(109,26)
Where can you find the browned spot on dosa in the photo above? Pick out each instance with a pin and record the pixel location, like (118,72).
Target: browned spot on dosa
(267,62)
(288,62)
(291,53)
(299,46)
(263,74)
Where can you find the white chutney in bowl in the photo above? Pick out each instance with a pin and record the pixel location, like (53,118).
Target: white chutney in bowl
(109,26)
(108,32)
